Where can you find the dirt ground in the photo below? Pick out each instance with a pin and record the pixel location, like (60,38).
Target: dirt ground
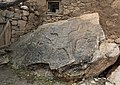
(9,76)
(110,21)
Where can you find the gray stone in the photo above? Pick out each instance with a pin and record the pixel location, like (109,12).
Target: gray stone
(65,2)
(17,15)
(21,23)
(3,60)
(24,7)
(73,47)
(14,39)
(9,14)
(14,22)
(17,11)
(25,13)
(25,18)
(31,17)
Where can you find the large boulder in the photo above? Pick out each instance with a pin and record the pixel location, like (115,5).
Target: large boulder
(73,48)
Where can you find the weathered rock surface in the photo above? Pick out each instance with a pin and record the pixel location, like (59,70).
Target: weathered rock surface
(73,48)
(4,3)
(115,76)
(104,57)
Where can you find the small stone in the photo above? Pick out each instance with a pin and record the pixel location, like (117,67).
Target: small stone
(14,22)
(14,27)
(37,13)
(20,33)
(21,3)
(74,4)
(115,15)
(21,23)
(95,79)
(24,7)
(81,4)
(70,7)
(110,23)
(117,41)
(66,11)
(14,39)
(18,11)
(18,16)
(31,17)
(29,26)
(13,32)
(11,8)
(77,8)
(24,18)
(92,81)
(32,9)
(78,2)
(65,6)
(108,83)
(3,60)
(25,13)
(113,37)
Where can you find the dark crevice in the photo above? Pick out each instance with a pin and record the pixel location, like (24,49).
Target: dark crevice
(38,66)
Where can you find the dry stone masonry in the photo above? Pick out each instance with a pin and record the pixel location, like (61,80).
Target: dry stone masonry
(26,16)
(22,18)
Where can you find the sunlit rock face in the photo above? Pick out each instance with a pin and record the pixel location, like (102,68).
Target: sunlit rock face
(75,48)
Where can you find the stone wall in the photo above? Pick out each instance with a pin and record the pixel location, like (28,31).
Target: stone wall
(28,15)
(73,8)
(23,18)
